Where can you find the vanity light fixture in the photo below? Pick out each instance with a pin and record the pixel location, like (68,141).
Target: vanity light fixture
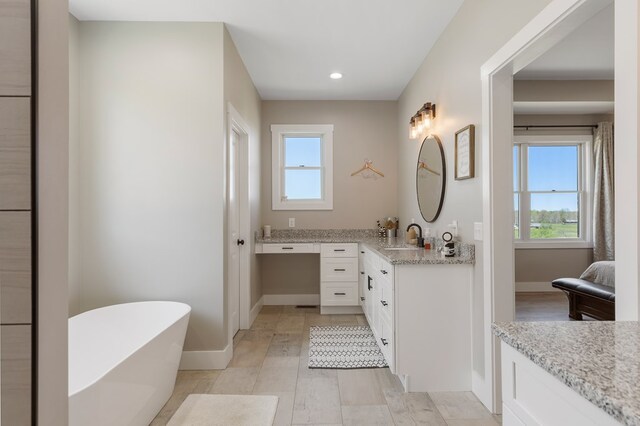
(422,119)
(335,75)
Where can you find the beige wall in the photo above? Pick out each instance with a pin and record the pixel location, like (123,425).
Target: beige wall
(450,77)
(151,171)
(242,94)
(53,219)
(545,265)
(75,306)
(362,129)
(543,119)
(290,274)
(562,90)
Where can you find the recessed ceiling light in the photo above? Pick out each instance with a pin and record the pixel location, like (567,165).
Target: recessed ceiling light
(335,75)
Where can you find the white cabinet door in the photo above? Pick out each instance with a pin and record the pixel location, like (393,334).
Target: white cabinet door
(386,342)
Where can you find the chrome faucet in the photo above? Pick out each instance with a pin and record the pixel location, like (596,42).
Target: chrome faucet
(420,240)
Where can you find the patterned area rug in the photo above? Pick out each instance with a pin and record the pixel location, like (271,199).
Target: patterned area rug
(344,347)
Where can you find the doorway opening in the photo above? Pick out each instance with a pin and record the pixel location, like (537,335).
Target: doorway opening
(557,21)
(563,110)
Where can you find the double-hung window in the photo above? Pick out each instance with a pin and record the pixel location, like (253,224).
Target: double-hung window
(302,169)
(551,191)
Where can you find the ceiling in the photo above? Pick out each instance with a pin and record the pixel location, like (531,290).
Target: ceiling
(291,46)
(585,54)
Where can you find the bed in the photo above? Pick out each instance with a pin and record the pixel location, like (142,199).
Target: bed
(593,294)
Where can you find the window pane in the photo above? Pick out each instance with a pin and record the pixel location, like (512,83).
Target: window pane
(302,151)
(303,184)
(554,216)
(516,216)
(516,167)
(553,168)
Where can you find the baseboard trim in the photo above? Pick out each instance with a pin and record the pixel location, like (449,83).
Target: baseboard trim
(206,360)
(478,387)
(329,310)
(535,287)
(255,311)
(291,299)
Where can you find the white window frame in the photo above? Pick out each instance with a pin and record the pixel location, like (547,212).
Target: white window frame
(585,185)
(278,133)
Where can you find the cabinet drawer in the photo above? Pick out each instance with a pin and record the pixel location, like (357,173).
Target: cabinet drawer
(288,248)
(339,250)
(386,270)
(336,269)
(339,294)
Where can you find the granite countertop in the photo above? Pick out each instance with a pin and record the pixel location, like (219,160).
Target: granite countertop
(368,237)
(600,360)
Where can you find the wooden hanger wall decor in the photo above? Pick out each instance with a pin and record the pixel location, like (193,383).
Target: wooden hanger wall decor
(368,166)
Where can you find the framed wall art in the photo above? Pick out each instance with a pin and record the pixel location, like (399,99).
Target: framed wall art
(465,153)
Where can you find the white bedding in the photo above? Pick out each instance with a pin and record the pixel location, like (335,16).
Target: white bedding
(603,272)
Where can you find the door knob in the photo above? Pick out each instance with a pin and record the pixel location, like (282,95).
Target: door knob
(240,242)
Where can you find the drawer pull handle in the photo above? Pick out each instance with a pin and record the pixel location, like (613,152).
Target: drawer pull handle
(339,250)
(369,286)
(384,341)
(361,273)
(383,272)
(340,294)
(362,252)
(384,303)
(362,298)
(339,270)
(287,248)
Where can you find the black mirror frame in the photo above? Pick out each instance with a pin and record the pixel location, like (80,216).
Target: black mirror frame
(444,179)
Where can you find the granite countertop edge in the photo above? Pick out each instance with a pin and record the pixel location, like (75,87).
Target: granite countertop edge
(376,245)
(612,406)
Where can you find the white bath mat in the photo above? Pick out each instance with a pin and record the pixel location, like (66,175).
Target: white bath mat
(344,347)
(225,410)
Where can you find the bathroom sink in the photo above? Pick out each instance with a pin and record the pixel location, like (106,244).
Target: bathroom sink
(402,248)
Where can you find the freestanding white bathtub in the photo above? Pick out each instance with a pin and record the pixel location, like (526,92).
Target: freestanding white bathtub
(123,361)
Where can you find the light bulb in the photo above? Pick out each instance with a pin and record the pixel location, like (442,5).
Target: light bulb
(413,130)
(425,118)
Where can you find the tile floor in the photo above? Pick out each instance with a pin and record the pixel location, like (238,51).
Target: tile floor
(272,357)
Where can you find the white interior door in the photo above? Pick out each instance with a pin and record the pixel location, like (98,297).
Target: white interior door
(235,240)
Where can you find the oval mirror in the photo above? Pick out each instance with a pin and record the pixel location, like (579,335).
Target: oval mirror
(430,178)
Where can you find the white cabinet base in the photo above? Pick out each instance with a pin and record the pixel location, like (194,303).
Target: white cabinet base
(340,310)
(433,327)
(532,396)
